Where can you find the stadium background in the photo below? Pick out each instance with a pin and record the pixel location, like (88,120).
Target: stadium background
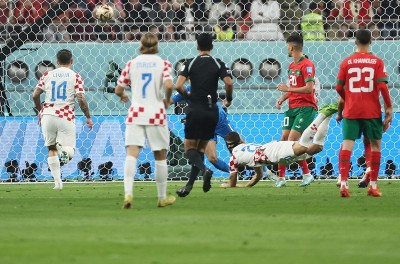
(253,113)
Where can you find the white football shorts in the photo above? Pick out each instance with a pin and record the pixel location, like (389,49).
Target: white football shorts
(56,129)
(278,150)
(157,136)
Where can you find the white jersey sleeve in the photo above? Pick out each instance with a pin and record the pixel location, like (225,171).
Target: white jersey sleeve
(60,86)
(145,74)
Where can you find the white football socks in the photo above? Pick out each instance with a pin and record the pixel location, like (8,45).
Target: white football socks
(317,131)
(373,184)
(129,173)
(54,166)
(320,136)
(344,184)
(161,175)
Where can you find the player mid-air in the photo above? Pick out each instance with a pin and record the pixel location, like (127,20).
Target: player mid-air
(278,152)
(57,114)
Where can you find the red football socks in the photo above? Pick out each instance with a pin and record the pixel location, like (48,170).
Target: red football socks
(344,164)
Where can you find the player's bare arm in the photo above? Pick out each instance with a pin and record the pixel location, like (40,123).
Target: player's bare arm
(233,179)
(169,86)
(85,109)
(339,116)
(229,90)
(120,91)
(283,87)
(280,101)
(36,99)
(256,178)
(387,104)
(179,86)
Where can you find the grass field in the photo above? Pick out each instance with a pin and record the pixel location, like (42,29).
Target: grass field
(84,223)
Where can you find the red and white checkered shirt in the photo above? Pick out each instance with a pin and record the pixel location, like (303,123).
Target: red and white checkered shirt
(60,86)
(244,154)
(146,74)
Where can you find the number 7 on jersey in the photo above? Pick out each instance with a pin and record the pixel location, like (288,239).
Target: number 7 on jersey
(146,77)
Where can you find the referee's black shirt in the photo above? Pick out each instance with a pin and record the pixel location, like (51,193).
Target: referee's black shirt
(204,72)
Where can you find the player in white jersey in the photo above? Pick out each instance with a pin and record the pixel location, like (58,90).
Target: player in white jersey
(146,118)
(278,152)
(57,114)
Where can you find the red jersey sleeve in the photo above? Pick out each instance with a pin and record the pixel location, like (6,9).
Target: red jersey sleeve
(308,72)
(380,72)
(124,80)
(233,164)
(341,77)
(167,71)
(79,84)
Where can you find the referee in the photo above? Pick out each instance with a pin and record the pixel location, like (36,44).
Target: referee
(202,115)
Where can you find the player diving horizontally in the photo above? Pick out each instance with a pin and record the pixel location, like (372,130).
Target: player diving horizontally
(280,152)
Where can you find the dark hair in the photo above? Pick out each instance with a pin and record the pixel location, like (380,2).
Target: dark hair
(313,5)
(363,36)
(64,56)
(232,137)
(204,42)
(295,39)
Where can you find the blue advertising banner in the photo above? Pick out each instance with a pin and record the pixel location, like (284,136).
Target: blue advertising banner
(21,139)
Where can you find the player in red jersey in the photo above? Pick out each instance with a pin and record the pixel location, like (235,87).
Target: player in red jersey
(361,78)
(302,105)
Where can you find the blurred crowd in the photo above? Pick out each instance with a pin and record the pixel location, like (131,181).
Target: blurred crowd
(177,20)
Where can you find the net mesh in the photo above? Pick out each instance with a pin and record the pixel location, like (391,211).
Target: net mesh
(249,39)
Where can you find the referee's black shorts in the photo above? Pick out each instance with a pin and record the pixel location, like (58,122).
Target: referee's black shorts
(201,122)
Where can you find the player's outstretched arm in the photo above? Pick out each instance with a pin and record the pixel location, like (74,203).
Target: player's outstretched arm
(229,90)
(232,181)
(256,178)
(85,109)
(36,99)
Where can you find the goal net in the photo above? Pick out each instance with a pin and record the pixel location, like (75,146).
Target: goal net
(250,39)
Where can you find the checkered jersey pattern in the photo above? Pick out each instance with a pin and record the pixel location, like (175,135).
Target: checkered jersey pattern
(124,79)
(132,113)
(259,156)
(66,112)
(233,164)
(44,107)
(167,71)
(159,118)
(41,81)
(79,84)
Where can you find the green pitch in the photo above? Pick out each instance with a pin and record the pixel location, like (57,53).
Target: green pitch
(84,223)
